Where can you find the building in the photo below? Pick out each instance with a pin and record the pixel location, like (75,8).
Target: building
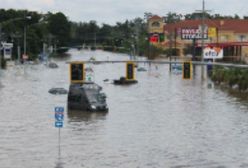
(184,37)
(156,29)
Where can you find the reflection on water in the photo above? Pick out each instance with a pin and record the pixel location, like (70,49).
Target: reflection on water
(241,97)
(59,164)
(86,116)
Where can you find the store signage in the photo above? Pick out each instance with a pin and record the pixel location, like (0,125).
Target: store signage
(213,53)
(193,33)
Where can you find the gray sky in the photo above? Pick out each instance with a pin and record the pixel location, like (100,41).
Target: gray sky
(112,11)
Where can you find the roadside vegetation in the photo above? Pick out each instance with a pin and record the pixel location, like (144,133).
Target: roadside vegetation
(235,78)
(55,30)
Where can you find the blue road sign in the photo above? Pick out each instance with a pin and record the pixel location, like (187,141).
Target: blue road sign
(59,116)
(59,109)
(58,124)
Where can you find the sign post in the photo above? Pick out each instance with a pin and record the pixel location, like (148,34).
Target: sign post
(7,50)
(59,118)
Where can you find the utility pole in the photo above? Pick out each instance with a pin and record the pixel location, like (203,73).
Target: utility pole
(95,40)
(170,45)
(203,27)
(0,46)
(202,38)
(24,40)
(25,35)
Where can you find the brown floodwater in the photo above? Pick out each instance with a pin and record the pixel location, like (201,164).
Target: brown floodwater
(162,121)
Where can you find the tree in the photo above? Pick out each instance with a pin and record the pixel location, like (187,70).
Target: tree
(173,17)
(59,27)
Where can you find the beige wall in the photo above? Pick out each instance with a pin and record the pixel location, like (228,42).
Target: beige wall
(154,28)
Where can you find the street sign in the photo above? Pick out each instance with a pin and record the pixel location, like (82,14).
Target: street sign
(24,56)
(59,116)
(59,124)
(213,53)
(59,109)
(212,32)
(7,50)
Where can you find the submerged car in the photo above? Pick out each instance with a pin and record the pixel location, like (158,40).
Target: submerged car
(124,81)
(87,97)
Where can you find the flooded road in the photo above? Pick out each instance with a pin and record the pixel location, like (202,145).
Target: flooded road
(163,121)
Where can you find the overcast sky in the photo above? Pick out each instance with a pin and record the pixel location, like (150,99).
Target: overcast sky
(112,11)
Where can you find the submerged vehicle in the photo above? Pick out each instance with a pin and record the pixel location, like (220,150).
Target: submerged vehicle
(124,81)
(57,91)
(87,97)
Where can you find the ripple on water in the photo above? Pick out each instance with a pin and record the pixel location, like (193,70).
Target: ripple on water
(162,121)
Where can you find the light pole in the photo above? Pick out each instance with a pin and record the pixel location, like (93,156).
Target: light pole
(203,11)
(0,46)
(25,36)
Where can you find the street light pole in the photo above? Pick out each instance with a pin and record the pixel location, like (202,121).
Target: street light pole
(202,38)
(0,46)
(25,36)
(203,11)
(24,40)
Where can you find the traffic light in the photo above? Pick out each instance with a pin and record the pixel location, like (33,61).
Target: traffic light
(130,71)
(187,70)
(77,73)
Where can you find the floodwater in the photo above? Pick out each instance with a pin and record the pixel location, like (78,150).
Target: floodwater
(161,122)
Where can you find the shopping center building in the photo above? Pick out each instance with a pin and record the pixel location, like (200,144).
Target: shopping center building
(185,37)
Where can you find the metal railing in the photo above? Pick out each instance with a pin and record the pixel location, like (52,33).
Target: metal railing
(168,62)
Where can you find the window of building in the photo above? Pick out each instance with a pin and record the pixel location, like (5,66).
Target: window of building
(224,38)
(241,38)
(155,24)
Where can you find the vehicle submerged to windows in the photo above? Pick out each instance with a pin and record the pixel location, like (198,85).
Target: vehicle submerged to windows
(87,97)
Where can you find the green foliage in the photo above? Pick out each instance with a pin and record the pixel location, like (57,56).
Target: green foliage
(173,17)
(231,76)
(55,29)
(59,27)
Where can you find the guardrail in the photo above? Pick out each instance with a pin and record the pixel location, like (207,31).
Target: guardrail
(168,62)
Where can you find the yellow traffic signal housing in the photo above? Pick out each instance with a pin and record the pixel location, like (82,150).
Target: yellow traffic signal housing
(77,72)
(187,70)
(130,71)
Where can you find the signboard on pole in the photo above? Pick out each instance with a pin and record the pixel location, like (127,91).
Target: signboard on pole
(212,32)
(59,117)
(213,53)
(193,33)
(7,50)
(24,56)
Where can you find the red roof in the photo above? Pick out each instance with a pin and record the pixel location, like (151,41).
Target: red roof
(155,17)
(236,25)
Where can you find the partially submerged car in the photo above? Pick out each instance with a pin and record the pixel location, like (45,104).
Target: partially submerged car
(87,97)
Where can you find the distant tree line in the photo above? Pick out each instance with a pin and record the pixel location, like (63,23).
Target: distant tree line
(52,29)
(55,29)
